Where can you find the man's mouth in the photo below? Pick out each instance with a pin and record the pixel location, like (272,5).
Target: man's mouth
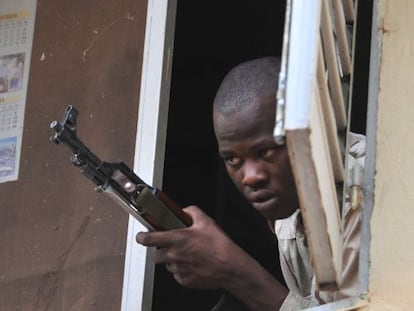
(264,203)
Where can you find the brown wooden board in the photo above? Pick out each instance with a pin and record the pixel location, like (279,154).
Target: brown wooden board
(62,245)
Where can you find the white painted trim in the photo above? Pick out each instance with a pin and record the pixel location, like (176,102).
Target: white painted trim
(150,143)
(302,62)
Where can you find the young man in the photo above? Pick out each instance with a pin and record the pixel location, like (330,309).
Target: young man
(202,256)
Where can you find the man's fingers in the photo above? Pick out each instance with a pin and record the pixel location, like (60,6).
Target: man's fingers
(160,256)
(157,239)
(195,212)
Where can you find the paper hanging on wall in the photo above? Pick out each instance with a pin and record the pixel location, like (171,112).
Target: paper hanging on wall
(16,38)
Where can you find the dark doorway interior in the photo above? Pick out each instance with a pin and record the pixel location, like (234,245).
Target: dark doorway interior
(361,67)
(211,37)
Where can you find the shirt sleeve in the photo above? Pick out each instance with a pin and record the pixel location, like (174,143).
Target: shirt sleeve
(352,217)
(294,302)
(348,286)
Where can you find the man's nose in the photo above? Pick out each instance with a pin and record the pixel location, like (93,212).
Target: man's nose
(253,174)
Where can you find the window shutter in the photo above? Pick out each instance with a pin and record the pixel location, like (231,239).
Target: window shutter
(312,119)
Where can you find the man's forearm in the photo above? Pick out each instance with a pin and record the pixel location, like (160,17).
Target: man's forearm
(249,282)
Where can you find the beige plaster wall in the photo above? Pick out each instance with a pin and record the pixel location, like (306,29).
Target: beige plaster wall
(392,245)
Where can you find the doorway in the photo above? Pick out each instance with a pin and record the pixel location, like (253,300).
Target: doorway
(210,39)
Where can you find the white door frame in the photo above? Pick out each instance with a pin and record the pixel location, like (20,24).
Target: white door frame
(150,143)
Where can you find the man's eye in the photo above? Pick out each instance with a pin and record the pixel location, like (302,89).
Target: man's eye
(233,161)
(267,153)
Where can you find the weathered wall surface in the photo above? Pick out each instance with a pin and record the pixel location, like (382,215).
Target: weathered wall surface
(392,251)
(62,246)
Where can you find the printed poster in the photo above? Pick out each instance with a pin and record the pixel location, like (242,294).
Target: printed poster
(17,19)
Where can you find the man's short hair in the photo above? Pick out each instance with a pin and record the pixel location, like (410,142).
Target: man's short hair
(245,82)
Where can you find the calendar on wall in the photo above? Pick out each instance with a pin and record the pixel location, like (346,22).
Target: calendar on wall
(16,36)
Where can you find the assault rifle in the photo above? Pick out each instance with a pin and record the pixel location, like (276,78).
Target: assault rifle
(149,205)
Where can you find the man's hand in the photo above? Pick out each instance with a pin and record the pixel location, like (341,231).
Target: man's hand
(203,256)
(199,256)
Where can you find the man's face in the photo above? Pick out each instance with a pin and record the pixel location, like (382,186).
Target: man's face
(259,168)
